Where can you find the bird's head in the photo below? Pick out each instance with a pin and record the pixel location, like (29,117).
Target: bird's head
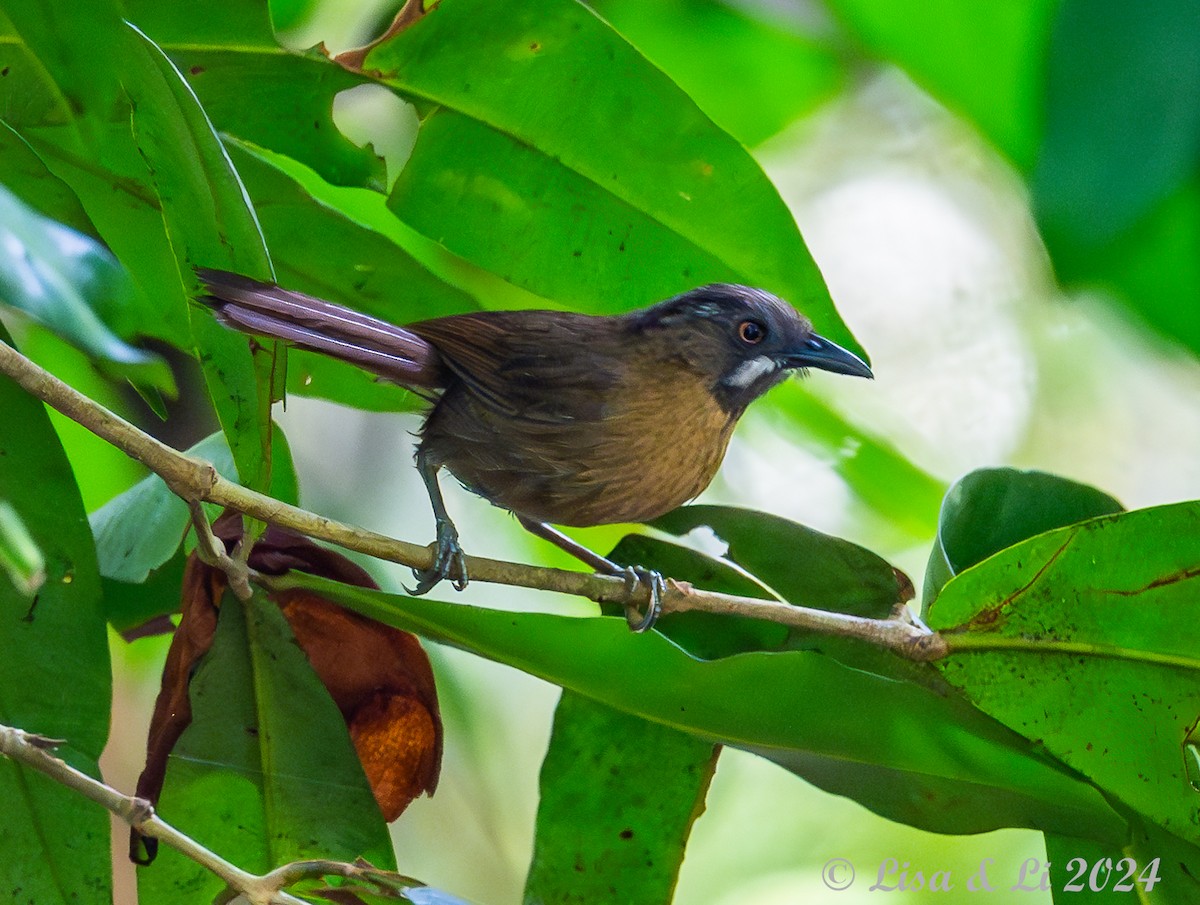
(746,340)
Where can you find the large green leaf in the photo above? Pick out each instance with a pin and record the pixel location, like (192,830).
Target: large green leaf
(209,222)
(944,766)
(522,140)
(1116,184)
(1122,115)
(61,277)
(618,799)
(785,560)
(770,73)
(1084,640)
(255,89)
(110,179)
(983,59)
(24,174)
(1153,868)
(45,164)
(74,50)
(994,508)
(54,672)
(265,774)
(805,566)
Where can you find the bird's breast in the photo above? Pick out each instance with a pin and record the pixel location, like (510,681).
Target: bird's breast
(651,445)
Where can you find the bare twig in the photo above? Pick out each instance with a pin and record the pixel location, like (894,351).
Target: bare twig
(34,751)
(197,481)
(211,550)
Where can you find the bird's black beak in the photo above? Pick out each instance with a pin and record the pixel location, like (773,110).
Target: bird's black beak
(818,352)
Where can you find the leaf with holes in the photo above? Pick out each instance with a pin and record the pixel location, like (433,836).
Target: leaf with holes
(1084,640)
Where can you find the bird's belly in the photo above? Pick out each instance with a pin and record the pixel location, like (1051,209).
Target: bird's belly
(630,468)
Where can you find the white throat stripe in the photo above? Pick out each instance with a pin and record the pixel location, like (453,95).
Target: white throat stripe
(749,371)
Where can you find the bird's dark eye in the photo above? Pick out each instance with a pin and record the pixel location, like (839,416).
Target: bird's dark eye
(751,332)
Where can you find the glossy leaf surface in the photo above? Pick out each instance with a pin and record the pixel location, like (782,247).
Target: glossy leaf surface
(1084,639)
(54,673)
(618,799)
(994,508)
(780,705)
(265,773)
(573,215)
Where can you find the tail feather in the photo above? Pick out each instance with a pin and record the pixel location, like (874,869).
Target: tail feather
(264,309)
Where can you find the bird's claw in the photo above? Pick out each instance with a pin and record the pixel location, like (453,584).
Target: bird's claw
(448,560)
(656,585)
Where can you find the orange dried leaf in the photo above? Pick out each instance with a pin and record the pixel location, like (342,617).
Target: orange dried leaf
(381,680)
(378,676)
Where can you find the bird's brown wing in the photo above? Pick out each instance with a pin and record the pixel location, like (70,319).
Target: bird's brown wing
(533,365)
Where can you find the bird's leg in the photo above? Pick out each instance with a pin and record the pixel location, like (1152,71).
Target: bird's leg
(633,575)
(448,555)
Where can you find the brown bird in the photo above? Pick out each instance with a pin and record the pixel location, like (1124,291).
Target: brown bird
(562,418)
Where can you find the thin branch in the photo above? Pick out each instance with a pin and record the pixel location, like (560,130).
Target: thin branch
(33,751)
(197,481)
(211,550)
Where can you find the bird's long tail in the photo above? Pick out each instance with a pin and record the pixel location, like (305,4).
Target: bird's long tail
(265,309)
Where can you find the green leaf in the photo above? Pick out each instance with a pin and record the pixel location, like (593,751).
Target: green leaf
(1068,863)
(1084,639)
(1152,269)
(265,774)
(54,673)
(141,529)
(1153,868)
(101,470)
(129,607)
(944,766)
(255,89)
(61,278)
(994,508)
(209,222)
(21,558)
(24,174)
(769,74)
(1122,123)
(74,52)
(1116,188)
(805,566)
(982,59)
(790,562)
(618,799)
(705,636)
(576,215)
(110,179)
(118,202)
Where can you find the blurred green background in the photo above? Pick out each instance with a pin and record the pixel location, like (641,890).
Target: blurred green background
(921,148)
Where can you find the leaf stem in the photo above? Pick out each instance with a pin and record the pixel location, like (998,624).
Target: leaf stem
(195,481)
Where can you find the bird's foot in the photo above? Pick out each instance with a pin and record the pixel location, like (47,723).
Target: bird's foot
(656,585)
(448,560)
